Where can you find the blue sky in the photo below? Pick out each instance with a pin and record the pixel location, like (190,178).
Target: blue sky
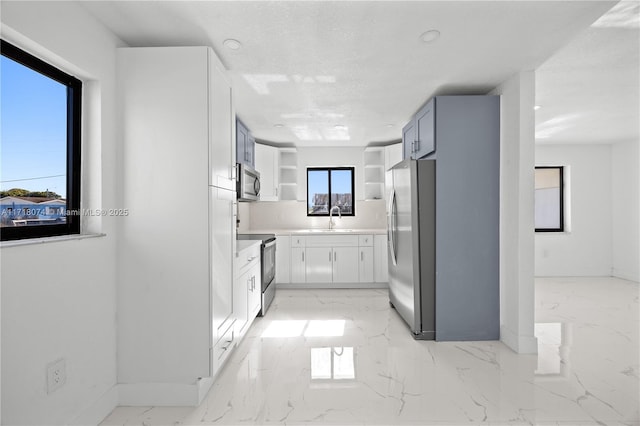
(318,182)
(33,130)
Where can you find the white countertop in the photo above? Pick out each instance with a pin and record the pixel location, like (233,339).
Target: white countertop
(319,231)
(245,244)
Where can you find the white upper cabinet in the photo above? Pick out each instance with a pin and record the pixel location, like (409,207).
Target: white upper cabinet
(392,155)
(267,160)
(222,155)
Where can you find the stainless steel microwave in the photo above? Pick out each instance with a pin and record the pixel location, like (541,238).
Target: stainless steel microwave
(248,183)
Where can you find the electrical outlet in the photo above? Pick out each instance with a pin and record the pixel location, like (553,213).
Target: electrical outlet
(56,375)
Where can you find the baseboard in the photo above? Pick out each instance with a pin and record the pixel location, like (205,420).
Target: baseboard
(625,275)
(164,394)
(517,343)
(99,410)
(309,286)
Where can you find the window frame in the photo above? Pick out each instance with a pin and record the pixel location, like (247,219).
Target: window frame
(561,228)
(329,170)
(74,142)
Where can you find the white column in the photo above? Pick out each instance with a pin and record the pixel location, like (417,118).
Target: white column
(517,162)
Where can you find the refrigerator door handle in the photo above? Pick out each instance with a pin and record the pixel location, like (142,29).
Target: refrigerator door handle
(392,226)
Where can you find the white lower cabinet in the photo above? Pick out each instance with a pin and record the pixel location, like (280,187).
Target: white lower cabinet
(345,265)
(319,265)
(254,298)
(332,260)
(366,263)
(283,259)
(298,265)
(246,288)
(381,269)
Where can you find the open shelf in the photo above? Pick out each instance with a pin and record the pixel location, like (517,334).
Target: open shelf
(374,173)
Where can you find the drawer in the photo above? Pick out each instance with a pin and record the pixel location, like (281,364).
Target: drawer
(365,240)
(223,348)
(298,241)
(246,259)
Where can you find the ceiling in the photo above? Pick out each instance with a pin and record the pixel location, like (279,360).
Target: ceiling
(351,73)
(589,91)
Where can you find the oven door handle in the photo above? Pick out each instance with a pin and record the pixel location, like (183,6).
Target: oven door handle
(270,243)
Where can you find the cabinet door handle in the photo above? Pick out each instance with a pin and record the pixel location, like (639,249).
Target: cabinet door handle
(417,146)
(362,256)
(303,256)
(335,256)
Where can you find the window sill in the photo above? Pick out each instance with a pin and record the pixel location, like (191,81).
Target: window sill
(45,240)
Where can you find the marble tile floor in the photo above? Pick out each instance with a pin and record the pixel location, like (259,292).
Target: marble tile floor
(343,357)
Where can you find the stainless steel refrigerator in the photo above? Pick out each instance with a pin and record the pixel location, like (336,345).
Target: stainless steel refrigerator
(444,224)
(411,234)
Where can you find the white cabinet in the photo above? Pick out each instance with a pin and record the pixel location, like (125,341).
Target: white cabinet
(175,277)
(319,265)
(381,270)
(331,265)
(330,260)
(222,244)
(366,259)
(222,159)
(298,260)
(267,163)
(247,288)
(254,298)
(283,259)
(392,155)
(345,265)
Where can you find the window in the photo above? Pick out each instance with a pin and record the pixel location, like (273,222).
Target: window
(40,164)
(328,187)
(549,199)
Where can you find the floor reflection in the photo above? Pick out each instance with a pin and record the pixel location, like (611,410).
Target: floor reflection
(333,363)
(306,328)
(553,349)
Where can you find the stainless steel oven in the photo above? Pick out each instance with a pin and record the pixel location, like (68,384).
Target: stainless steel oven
(267,265)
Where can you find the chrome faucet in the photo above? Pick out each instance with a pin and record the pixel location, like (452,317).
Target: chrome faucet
(330,215)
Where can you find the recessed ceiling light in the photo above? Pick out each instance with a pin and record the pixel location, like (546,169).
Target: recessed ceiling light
(537,107)
(430,36)
(390,125)
(340,126)
(232,44)
(278,126)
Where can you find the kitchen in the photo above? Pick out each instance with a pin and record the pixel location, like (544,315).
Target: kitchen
(93,293)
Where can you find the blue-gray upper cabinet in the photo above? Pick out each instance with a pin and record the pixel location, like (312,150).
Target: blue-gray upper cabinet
(245,145)
(418,136)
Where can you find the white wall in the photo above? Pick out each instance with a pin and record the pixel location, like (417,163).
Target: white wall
(585,248)
(275,215)
(58,298)
(516,212)
(330,157)
(281,215)
(625,184)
